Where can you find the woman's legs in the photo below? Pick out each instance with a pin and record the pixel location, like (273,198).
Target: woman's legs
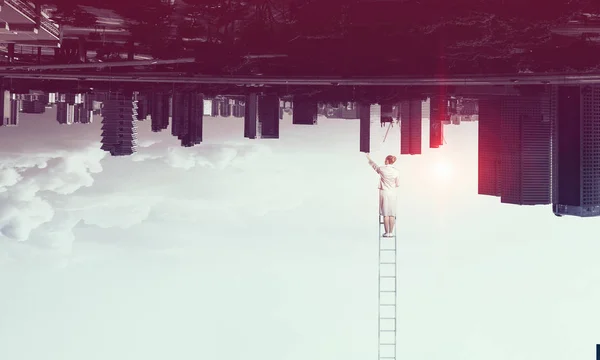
(386,224)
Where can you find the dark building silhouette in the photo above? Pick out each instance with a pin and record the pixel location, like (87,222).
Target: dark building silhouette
(250,116)
(77,112)
(526,160)
(178,120)
(438,113)
(188,112)
(70,98)
(410,127)
(33,106)
(119,129)
(143,103)
(86,110)
(577,151)
(10,109)
(365,127)
(225,107)
(65,113)
(215,108)
(339,111)
(515,153)
(5,108)
(386,114)
(268,116)
(305,111)
(160,104)
(489,146)
(467,107)
(238,109)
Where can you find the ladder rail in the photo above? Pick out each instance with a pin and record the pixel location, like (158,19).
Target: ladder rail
(393,304)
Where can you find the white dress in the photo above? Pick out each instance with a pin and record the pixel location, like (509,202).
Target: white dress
(388,183)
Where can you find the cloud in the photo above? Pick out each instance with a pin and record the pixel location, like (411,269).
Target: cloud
(112,210)
(214,156)
(145,143)
(27,182)
(41,201)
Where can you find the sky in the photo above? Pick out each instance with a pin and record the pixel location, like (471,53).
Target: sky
(268,249)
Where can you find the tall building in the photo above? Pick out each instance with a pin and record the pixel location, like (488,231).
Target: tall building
(159,106)
(119,129)
(489,147)
(142,107)
(10,109)
(86,110)
(178,120)
(33,107)
(577,151)
(5,108)
(437,114)
(225,107)
(250,116)
(410,127)
(268,116)
(188,112)
(526,162)
(63,115)
(238,109)
(193,113)
(215,108)
(305,111)
(386,114)
(364,110)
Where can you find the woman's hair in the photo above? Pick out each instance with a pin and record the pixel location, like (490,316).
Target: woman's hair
(390,158)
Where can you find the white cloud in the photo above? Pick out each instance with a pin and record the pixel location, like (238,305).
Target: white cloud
(28,182)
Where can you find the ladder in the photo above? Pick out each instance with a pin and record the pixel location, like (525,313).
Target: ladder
(387,295)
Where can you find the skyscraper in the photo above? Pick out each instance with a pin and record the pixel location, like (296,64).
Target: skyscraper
(33,107)
(437,114)
(119,129)
(5,108)
(188,112)
(250,116)
(86,110)
(160,111)
(305,111)
(61,113)
(410,127)
(577,153)
(489,147)
(268,116)
(364,110)
(526,150)
(238,108)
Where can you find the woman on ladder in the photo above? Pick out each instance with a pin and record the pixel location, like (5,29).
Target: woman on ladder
(388,182)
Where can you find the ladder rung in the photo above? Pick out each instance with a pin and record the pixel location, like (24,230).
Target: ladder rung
(387,318)
(387,291)
(387,330)
(387,276)
(387,249)
(387,304)
(387,357)
(387,263)
(387,344)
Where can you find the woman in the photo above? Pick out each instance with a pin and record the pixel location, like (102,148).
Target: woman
(388,182)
